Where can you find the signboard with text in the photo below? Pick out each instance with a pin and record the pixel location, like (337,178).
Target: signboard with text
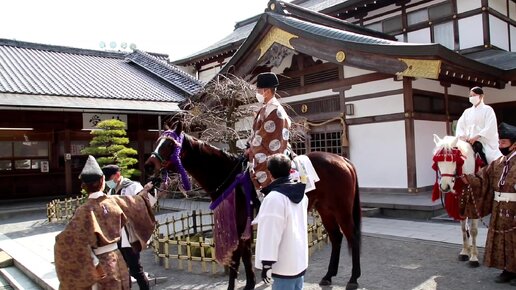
(90,120)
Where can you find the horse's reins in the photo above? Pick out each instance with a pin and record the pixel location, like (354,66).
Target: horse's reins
(174,158)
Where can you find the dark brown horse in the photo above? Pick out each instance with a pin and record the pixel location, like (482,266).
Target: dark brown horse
(336,197)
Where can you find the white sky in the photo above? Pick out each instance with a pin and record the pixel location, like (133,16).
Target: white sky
(176,27)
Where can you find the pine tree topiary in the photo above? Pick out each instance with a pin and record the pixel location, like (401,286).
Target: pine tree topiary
(108,146)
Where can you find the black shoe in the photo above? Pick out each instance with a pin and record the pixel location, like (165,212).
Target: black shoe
(505,277)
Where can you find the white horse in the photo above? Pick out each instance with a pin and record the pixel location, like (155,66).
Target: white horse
(446,157)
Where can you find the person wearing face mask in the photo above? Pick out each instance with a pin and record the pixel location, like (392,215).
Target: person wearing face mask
(494,192)
(477,125)
(119,185)
(86,255)
(270,131)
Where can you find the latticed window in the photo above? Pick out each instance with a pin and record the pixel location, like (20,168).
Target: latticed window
(299,147)
(320,141)
(326,141)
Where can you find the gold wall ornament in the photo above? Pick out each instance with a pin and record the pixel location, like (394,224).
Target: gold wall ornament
(422,68)
(275,35)
(273,6)
(340,56)
(304,108)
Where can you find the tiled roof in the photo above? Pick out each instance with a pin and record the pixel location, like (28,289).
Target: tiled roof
(166,71)
(318,5)
(501,59)
(244,28)
(234,39)
(29,68)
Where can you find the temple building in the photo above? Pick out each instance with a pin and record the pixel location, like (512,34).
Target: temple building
(374,80)
(51,97)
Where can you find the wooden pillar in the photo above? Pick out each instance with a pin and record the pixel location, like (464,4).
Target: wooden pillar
(410,135)
(68,162)
(447,111)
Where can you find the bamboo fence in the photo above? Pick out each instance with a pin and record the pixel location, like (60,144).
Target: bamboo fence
(186,241)
(63,210)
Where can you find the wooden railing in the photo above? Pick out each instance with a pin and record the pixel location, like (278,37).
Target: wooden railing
(63,210)
(188,240)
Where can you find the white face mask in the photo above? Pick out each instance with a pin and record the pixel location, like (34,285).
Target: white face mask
(111,184)
(260,98)
(474,100)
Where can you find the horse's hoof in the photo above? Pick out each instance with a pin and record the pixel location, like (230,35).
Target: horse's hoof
(463,258)
(325,282)
(352,286)
(473,264)
(249,287)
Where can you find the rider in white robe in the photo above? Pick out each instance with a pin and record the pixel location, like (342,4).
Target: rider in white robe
(478,123)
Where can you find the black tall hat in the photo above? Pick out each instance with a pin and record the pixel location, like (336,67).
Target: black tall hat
(91,171)
(267,80)
(506,131)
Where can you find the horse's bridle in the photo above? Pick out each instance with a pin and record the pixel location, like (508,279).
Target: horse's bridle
(174,158)
(449,155)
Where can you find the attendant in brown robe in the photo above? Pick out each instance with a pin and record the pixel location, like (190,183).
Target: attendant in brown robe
(270,133)
(494,189)
(86,253)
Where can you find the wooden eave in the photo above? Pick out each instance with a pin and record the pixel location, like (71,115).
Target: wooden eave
(320,18)
(202,59)
(411,60)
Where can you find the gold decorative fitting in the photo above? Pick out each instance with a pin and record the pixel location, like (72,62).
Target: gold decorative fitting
(275,35)
(304,108)
(340,56)
(273,6)
(421,68)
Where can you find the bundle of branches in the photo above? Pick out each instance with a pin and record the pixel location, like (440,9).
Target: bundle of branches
(224,102)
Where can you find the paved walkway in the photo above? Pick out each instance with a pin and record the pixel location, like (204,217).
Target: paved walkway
(31,242)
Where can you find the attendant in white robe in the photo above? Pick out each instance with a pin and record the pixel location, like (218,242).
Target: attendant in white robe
(478,123)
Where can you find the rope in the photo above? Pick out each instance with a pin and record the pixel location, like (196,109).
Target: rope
(344,138)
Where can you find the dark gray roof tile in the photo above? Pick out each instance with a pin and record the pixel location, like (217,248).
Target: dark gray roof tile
(30,68)
(166,71)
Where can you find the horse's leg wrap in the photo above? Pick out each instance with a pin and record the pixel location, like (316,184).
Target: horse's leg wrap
(465,252)
(473,260)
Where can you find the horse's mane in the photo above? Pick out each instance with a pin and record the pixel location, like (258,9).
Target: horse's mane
(205,147)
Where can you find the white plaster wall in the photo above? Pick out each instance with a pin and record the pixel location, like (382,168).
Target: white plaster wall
(207,75)
(492,95)
(380,11)
(427,85)
(419,36)
(377,106)
(498,32)
(458,90)
(374,87)
(244,124)
(423,5)
(498,5)
(470,32)
(467,5)
(424,143)
(378,151)
(513,38)
(350,71)
(188,69)
(308,96)
(512,10)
